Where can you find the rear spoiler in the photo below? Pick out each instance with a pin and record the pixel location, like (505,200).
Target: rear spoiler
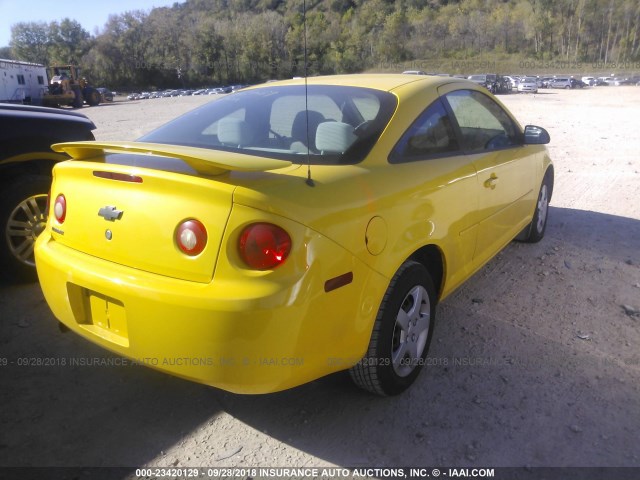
(202,160)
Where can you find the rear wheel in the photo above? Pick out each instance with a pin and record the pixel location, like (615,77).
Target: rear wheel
(92,96)
(23,217)
(401,333)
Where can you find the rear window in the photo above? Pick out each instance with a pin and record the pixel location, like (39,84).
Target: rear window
(324,125)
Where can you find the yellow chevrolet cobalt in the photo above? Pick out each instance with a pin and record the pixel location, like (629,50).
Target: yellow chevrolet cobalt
(288,231)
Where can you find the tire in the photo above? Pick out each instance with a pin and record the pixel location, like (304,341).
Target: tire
(22,218)
(534,232)
(396,351)
(77,100)
(92,96)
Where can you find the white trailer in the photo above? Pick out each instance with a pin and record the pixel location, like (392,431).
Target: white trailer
(22,82)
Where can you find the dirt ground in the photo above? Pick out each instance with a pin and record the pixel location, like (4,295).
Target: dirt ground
(537,357)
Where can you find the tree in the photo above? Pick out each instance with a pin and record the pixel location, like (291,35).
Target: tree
(29,41)
(68,41)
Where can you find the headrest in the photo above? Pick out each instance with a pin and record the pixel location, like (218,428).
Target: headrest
(299,127)
(233,131)
(334,137)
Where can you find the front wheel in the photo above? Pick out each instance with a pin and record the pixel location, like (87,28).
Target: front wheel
(77,99)
(92,96)
(401,333)
(534,232)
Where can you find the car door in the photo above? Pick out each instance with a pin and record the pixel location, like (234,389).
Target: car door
(505,169)
(443,208)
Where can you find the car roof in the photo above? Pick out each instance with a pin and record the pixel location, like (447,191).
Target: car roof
(17,111)
(35,109)
(377,81)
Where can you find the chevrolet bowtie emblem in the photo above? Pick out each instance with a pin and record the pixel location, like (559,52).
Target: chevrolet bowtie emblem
(110,213)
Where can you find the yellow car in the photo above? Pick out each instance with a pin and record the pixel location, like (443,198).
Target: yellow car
(291,230)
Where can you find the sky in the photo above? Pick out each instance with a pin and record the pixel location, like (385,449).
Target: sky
(92,15)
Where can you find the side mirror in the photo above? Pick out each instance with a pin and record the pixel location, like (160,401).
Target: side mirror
(534,135)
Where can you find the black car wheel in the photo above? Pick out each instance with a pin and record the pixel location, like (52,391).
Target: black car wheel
(77,99)
(92,96)
(23,217)
(401,333)
(534,232)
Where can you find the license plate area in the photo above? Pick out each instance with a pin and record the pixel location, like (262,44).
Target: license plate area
(99,314)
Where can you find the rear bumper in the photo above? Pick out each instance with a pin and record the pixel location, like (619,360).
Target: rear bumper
(251,336)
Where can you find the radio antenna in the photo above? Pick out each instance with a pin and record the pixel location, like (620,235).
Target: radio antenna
(309,180)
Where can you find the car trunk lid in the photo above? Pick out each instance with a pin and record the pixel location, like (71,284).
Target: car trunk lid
(130,214)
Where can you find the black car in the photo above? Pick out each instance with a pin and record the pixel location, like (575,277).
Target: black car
(26,159)
(492,82)
(502,85)
(107,95)
(486,80)
(575,83)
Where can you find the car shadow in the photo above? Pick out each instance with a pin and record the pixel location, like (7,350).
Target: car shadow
(496,391)
(500,389)
(67,402)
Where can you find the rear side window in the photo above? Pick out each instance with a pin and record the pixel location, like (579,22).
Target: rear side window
(430,135)
(484,125)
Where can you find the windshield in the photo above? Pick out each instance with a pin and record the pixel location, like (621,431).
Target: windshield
(330,125)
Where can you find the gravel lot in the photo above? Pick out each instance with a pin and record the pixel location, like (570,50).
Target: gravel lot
(536,359)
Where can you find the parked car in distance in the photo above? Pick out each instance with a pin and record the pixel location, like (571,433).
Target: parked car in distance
(485,80)
(492,82)
(414,72)
(528,85)
(106,94)
(560,82)
(575,83)
(292,229)
(591,81)
(502,84)
(513,81)
(219,90)
(621,81)
(543,82)
(26,160)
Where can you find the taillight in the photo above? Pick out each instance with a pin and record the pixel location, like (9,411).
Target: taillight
(264,246)
(191,237)
(60,208)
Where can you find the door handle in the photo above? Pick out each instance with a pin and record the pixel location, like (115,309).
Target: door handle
(491,181)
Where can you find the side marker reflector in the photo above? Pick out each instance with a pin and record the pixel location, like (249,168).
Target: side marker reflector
(337,282)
